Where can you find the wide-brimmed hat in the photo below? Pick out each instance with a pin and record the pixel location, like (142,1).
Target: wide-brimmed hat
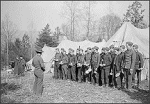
(38,49)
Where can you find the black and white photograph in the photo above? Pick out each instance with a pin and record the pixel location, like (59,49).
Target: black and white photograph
(75,52)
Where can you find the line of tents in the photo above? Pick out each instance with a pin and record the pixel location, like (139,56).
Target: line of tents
(127,32)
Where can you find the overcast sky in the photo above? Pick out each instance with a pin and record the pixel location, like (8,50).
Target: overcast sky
(43,12)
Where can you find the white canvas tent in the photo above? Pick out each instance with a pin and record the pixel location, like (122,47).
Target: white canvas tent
(138,36)
(49,52)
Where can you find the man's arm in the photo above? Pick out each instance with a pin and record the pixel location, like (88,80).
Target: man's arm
(141,60)
(133,59)
(42,64)
(98,60)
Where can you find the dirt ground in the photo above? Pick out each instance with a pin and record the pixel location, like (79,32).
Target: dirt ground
(19,90)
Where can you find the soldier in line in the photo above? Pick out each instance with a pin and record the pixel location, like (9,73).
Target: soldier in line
(116,68)
(106,67)
(38,63)
(121,66)
(57,60)
(77,54)
(64,65)
(80,62)
(130,58)
(87,63)
(101,67)
(112,53)
(138,65)
(95,64)
(72,66)
(69,55)
(60,68)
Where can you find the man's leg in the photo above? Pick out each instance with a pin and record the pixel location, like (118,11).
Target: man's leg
(138,77)
(79,74)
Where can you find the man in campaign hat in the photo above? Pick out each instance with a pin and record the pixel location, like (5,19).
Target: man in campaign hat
(38,63)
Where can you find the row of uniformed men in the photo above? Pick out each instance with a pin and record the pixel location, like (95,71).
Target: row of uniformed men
(106,66)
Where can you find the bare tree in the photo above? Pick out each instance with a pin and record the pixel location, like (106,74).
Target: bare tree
(88,16)
(8,29)
(31,29)
(71,11)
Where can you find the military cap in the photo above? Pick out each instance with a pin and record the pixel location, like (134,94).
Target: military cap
(112,46)
(38,49)
(136,46)
(103,48)
(89,48)
(122,46)
(129,43)
(116,48)
(107,49)
(96,48)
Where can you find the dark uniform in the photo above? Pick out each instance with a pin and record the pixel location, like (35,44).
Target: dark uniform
(22,66)
(95,64)
(138,64)
(38,63)
(16,67)
(64,65)
(60,69)
(57,65)
(113,55)
(121,67)
(100,67)
(72,67)
(106,69)
(116,67)
(87,59)
(130,57)
(80,62)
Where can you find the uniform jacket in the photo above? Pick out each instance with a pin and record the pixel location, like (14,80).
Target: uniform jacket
(87,58)
(95,59)
(113,55)
(107,59)
(139,60)
(122,60)
(73,59)
(80,59)
(101,58)
(64,59)
(38,62)
(58,56)
(130,58)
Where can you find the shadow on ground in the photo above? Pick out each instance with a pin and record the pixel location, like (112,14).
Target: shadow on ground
(142,95)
